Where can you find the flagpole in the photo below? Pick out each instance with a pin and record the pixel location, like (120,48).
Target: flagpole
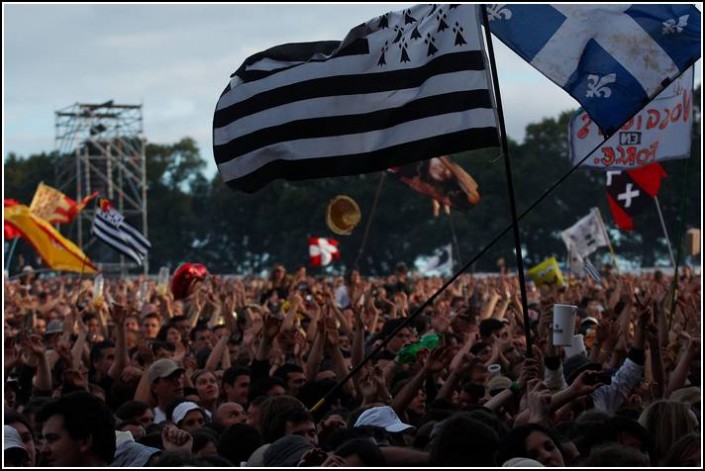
(510,184)
(10,255)
(356,265)
(455,241)
(679,247)
(665,232)
(607,237)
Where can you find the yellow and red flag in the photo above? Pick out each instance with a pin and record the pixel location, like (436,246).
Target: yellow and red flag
(57,252)
(9,231)
(52,205)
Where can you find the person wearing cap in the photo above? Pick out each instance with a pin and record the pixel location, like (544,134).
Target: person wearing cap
(166,384)
(53,332)
(188,416)
(14,453)
(20,423)
(498,384)
(383,417)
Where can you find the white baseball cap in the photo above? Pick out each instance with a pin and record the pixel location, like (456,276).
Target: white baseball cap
(383,416)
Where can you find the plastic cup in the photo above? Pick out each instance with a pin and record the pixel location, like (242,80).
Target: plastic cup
(494,369)
(577,346)
(564,324)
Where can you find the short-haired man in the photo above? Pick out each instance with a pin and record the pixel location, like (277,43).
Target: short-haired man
(236,385)
(78,430)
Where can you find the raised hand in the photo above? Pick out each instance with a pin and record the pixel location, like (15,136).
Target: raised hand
(34,346)
(437,359)
(272,326)
(175,439)
(538,400)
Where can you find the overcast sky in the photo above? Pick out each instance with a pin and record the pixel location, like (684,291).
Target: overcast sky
(175,60)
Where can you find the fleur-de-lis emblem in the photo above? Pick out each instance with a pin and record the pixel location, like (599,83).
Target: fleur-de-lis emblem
(597,86)
(497,12)
(671,27)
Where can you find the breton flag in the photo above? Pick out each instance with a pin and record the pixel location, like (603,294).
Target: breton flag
(55,207)
(322,251)
(110,227)
(629,191)
(406,86)
(441,261)
(613,59)
(586,235)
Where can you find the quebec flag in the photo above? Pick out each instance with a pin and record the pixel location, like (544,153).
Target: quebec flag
(613,59)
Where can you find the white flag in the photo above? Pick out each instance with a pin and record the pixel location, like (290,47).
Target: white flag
(587,235)
(441,261)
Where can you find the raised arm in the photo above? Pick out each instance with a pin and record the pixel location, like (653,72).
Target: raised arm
(122,360)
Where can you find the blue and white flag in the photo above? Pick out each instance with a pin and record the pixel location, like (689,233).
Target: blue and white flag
(406,86)
(613,59)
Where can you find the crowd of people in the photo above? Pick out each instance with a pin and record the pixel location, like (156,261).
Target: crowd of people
(221,371)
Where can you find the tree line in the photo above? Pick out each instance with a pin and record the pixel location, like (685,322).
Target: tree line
(195,218)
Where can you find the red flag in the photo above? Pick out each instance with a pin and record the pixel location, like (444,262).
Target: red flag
(629,191)
(10,231)
(322,251)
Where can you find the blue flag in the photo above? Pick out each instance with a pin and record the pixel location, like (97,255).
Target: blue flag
(613,59)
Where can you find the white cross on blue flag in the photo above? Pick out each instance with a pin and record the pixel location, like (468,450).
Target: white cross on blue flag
(613,59)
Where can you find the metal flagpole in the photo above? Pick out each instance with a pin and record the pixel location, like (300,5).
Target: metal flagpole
(356,265)
(607,237)
(10,254)
(510,184)
(455,241)
(665,232)
(674,286)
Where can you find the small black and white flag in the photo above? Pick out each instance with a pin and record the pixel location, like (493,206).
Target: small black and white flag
(406,86)
(110,227)
(591,271)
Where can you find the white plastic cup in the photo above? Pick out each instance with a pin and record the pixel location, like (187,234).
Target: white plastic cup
(494,369)
(577,346)
(564,324)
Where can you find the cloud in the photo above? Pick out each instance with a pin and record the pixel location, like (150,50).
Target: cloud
(176,59)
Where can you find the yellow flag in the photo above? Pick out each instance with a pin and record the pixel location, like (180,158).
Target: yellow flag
(57,252)
(52,205)
(547,273)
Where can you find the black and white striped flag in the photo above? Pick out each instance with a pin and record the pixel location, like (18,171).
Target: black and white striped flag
(591,271)
(110,227)
(406,86)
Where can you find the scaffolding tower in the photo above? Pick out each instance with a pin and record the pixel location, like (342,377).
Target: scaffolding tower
(101,147)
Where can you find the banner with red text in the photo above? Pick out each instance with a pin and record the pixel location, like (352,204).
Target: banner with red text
(660,131)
